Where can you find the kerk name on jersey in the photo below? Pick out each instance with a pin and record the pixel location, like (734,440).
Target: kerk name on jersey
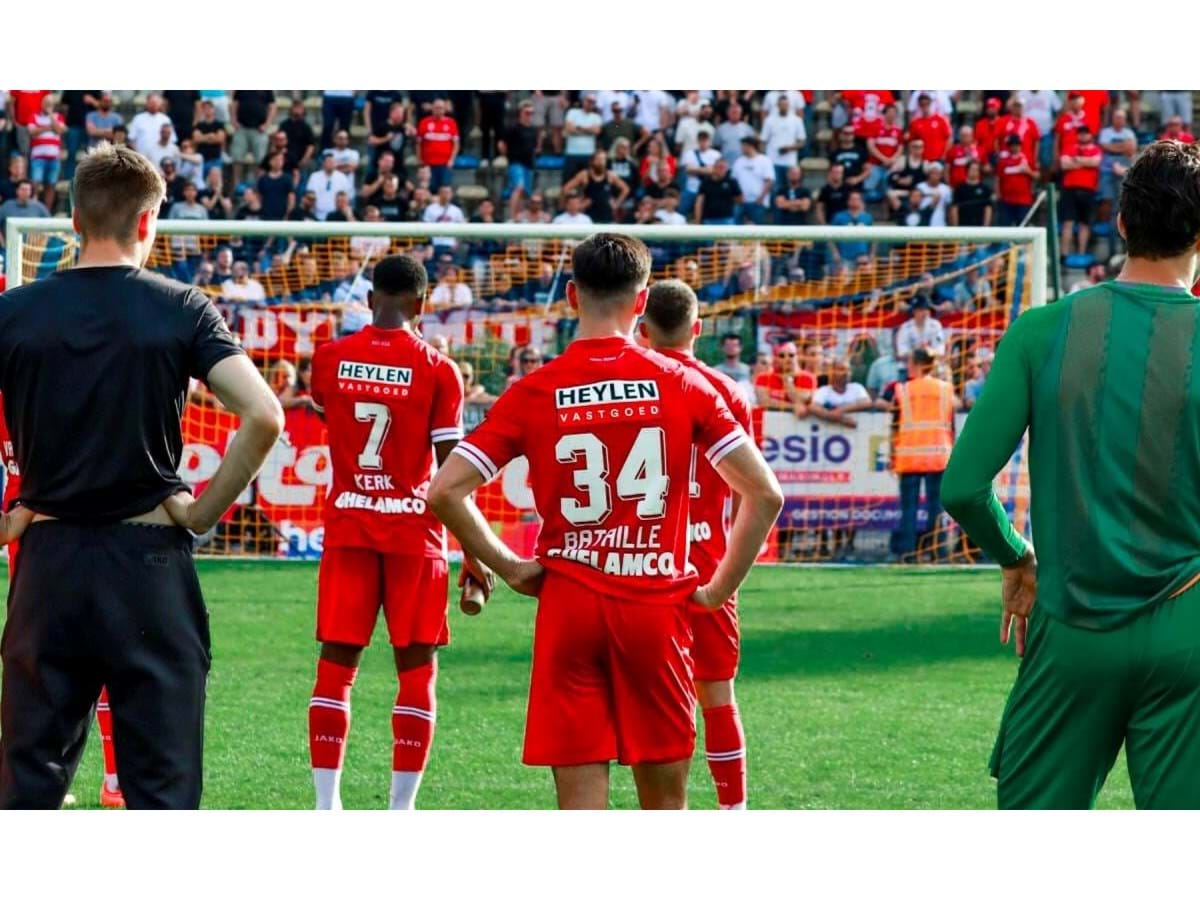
(373,378)
(618,551)
(607,401)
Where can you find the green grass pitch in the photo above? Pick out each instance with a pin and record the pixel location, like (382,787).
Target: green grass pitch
(859,688)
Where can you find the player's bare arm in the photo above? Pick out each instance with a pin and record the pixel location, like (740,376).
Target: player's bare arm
(450,499)
(761,499)
(242,390)
(472,569)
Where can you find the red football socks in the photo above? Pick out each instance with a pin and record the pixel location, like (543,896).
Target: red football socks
(329,714)
(725,748)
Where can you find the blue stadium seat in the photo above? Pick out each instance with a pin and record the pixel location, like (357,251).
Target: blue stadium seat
(1103,229)
(1079,260)
(549,162)
(466,161)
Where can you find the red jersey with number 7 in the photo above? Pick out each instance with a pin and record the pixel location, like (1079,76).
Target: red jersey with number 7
(711,509)
(608,430)
(387,398)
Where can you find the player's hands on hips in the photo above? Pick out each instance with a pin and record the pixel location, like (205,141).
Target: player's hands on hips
(1019,594)
(181,508)
(13,524)
(525,577)
(709,598)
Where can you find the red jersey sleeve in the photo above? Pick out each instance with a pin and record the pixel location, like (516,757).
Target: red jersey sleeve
(320,370)
(497,439)
(446,424)
(714,428)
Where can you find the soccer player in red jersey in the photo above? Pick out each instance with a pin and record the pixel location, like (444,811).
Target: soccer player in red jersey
(671,325)
(110,788)
(391,403)
(608,428)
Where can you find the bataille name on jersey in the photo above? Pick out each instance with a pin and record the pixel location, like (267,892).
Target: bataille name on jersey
(623,550)
(374,378)
(608,401)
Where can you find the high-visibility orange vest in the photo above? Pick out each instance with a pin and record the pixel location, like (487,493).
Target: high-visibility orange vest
(926,433)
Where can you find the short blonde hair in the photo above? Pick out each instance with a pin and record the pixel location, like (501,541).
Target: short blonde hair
(113,186)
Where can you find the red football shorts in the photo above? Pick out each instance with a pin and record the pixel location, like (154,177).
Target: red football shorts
(612,679)
(354,583)
(715,641)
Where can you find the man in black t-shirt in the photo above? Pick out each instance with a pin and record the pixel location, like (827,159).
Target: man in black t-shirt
(520,144)
(834,195)
(972,204)
(719,197)
(851,156)
(252,112)
(183,109)
(210,137)
(276,189)
(793,201)
(301,139)
(106,592)
(78,104)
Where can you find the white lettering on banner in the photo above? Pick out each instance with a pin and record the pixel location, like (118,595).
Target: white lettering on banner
(599,393)
(304,324)
(260,329)
(373,373)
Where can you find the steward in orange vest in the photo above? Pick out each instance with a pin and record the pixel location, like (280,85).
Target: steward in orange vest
(921,449)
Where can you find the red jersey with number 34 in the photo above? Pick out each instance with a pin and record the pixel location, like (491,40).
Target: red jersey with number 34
(711,509)
(387,397)
(608,430)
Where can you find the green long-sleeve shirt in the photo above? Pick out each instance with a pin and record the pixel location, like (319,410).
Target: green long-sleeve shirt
(1105,382)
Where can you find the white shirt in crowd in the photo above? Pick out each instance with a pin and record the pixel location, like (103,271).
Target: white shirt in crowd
(445,296)
(650,107)
(909,337)
(346,156)
(700,158)
(781,131)
(828,397)
(1042,107)
(687,134)
(144,129)
(939,199)
(796,100)
(327,186)
(566,218)
(941,102)
(353,293)
(667,217)
(752,175)
(157,152)
(448,214)
(251,290)
(374,247)
(606,99)
(581,144)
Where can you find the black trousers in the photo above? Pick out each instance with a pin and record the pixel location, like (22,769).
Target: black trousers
(115,605)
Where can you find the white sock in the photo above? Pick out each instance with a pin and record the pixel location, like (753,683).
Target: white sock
(111,783)
(741,805)
(403,794)
(328,783)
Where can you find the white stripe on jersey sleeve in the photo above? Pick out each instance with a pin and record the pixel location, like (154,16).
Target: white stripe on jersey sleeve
(317,406)
(477,458)
(726,445)
(446,434)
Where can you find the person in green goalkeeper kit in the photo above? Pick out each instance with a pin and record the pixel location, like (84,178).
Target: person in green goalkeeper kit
(1107,614)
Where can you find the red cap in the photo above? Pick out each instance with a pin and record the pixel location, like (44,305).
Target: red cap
(993,103)
(1073,94)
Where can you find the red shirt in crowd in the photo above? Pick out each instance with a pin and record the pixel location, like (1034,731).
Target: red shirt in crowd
(1024,128)
(1086,178)
(1093,108)
(866,107)
(437,140)
(1065,128)
(26,105)
(1184,136)
(987,137)
(888,138)
(1013,183)
(958,158)
(934,130)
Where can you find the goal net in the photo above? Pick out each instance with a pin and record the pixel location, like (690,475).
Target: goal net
(837,296)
